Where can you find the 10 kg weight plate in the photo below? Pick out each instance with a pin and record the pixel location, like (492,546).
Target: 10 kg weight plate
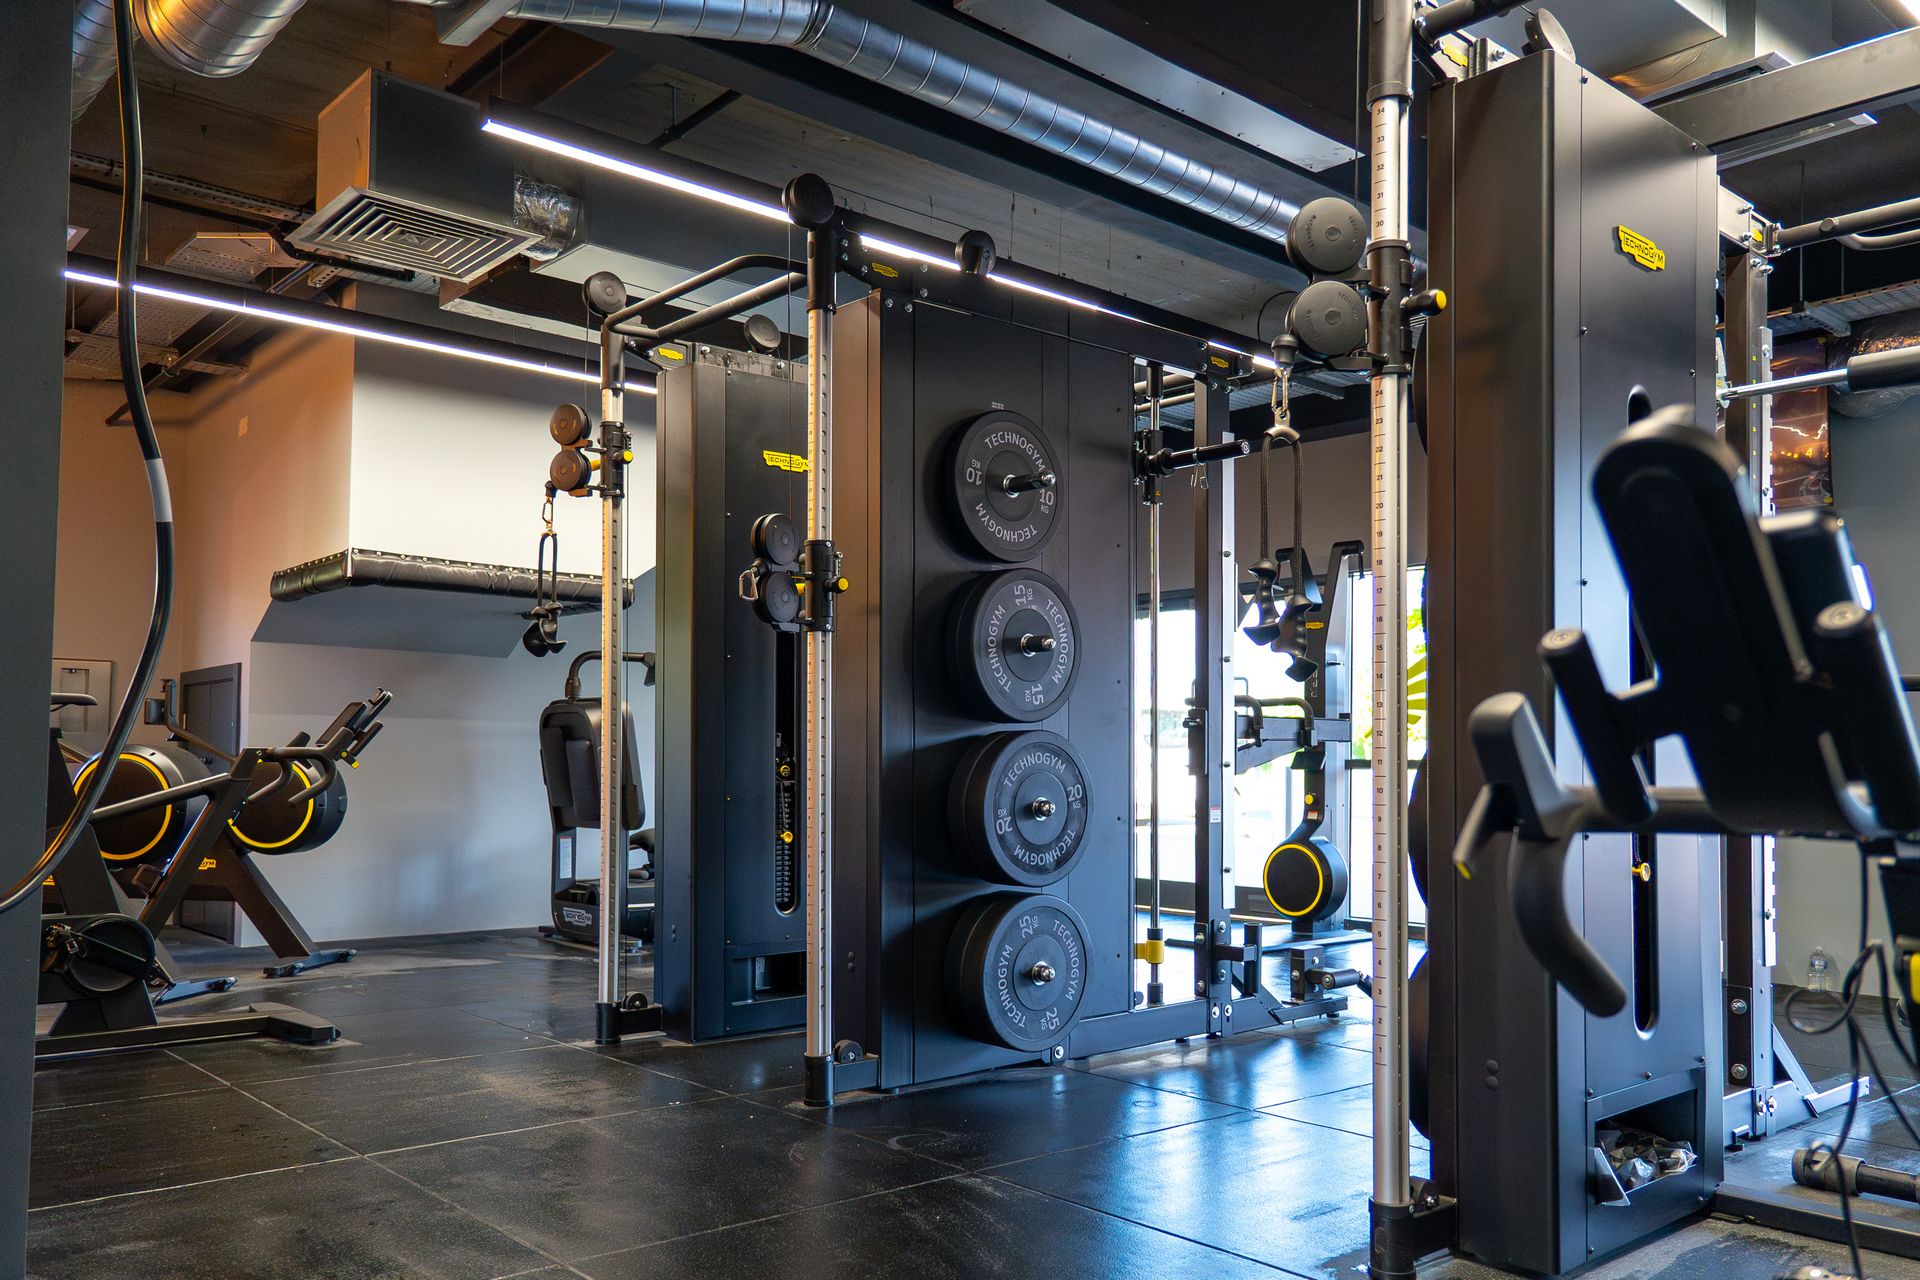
(1019,807)
(1015,645)
(1017,970)
(1006,485)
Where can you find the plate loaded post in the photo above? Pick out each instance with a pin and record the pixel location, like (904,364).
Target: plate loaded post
(810,203)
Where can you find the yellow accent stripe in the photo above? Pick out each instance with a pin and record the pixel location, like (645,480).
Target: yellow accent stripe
(1153,951)
(1319,890)
(166,813)
(306,819)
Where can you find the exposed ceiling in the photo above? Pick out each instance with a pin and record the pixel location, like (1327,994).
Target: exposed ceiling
(911,164)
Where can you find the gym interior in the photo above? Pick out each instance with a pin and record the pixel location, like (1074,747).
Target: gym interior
(957,637)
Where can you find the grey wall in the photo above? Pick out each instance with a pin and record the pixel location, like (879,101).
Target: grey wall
(33,154)
(1876,475)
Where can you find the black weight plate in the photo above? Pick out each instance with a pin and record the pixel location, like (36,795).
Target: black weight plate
(1306,880)
(996,450)
(1015,645)
(777,538)
(275,824)
(1017,970)
(1018,806)
(148,835)
(1417,835)
(1419,1029)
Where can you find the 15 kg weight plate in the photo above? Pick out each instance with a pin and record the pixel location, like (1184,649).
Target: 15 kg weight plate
(1006,485)
(1017,970)
(1018,806)
(1015,645)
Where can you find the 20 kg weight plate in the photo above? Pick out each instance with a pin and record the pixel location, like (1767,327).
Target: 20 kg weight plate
(1018,806)
(1006,485)
(1015,645)
(1017,970)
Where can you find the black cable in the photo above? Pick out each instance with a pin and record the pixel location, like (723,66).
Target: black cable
(126,264)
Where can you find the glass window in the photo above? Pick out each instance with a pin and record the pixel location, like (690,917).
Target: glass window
(1176,785)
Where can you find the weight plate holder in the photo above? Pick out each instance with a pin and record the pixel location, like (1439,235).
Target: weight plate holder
(1014,645)
(1018,807)
(1017,970)
(1006,485)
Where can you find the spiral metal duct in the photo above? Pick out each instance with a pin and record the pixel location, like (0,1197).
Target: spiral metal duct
(205,37)
(889,58)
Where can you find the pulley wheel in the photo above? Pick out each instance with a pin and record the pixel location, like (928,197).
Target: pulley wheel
(1006,485)
(1015,645)
(149,835)
(1018,807)
(1306,880)
(275,824)
(1017,970)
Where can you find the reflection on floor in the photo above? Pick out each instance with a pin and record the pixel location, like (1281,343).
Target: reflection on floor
(466,1129)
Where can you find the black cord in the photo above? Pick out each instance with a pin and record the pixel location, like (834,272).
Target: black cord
(1873,953)
(126,264)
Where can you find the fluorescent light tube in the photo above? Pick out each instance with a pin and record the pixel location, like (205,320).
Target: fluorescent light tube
(353,331)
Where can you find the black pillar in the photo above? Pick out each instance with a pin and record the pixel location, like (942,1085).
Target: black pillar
(35,62)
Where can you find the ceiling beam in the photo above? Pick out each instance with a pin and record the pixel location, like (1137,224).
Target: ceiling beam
(1776,106)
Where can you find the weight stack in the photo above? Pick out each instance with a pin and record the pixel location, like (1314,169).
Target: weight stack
(729,447)
(983,763)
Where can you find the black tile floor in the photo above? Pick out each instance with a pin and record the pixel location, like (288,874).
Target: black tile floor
(465,1129)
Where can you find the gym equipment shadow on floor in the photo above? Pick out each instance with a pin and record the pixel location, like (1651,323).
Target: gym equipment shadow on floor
(465,1129)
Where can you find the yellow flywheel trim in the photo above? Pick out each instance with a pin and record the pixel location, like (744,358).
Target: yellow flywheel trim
(306,819)
(1319,871)
(166,812)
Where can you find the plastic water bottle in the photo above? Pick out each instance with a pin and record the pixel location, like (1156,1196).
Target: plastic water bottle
(1818,978)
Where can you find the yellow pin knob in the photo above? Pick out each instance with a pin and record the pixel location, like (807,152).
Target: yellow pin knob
(626,455)
(1643,872)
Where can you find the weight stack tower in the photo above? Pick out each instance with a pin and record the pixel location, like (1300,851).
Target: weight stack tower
(982,778)
(729,946)
(1575,234)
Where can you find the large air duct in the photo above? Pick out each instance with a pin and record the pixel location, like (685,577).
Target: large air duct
(887,57)
(205,37)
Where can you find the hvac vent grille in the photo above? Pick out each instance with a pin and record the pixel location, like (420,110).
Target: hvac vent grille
(367,226)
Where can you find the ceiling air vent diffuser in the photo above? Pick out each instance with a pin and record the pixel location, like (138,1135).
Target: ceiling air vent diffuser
(373,227)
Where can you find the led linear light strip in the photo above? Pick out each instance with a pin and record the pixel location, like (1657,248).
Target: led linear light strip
(601,160)
(354,331)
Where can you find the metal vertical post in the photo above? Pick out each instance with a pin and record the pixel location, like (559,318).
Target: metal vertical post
(1156,992)
(1210,717)
(810,203)
(613,578)
(1389,94)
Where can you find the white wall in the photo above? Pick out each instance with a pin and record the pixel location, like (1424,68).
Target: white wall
(449,458)
(104,576)
(1876,473)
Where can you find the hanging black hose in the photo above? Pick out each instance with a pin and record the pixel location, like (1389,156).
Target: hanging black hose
(126,263)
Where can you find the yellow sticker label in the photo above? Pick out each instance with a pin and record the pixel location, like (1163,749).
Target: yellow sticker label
(882,269)
(669,353)
(784,461)
(1219,362)
(1642,250)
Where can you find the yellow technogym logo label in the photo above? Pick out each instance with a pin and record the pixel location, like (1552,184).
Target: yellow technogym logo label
(882,269)
(669,353)
(1641,250)
(784,461)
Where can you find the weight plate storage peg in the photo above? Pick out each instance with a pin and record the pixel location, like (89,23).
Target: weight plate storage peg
(1006,485)
(1019,807)
(1015,645)
(1017,970)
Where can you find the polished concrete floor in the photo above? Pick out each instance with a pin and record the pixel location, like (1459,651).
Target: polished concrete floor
(466,1129)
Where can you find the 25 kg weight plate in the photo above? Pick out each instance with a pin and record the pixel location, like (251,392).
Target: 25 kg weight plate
(1015,645)
(1006,485)
(1019,806)
(1017,970)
